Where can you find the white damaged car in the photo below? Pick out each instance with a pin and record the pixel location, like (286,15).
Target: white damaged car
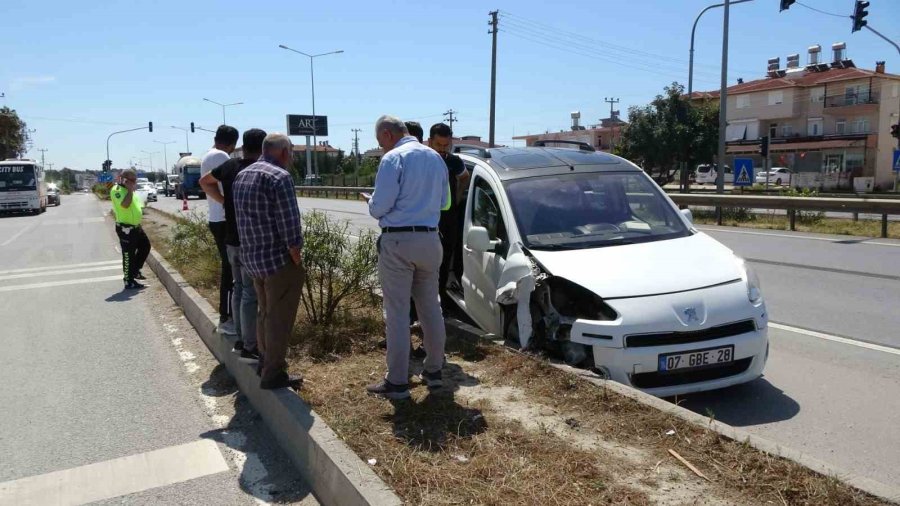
(582,252)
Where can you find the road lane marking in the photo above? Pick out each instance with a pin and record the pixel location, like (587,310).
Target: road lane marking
(824,269)
(73,221)
(836,339)
(58,267)
(51,284)
(117,265)
(17,235)
(117,477)
(792,236)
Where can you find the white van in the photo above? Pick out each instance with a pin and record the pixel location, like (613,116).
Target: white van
(706,173)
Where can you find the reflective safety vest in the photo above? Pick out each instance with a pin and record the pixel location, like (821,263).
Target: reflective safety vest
(130,215)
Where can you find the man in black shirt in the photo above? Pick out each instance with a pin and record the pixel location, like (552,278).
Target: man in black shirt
(441,140)
(243,300)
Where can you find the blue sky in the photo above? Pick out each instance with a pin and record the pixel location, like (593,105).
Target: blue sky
(77,71)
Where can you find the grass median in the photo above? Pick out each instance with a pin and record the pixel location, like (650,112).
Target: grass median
(507,428)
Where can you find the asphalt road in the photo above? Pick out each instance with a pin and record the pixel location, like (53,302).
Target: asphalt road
(113,392)
(837,401)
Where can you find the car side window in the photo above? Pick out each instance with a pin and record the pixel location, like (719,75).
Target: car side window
(486,210)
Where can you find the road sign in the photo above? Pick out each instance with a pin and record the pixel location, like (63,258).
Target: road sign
(105,177)
(300,124)
(896,164)
(743,172)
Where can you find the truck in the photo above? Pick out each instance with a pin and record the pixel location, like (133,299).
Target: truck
(187,170)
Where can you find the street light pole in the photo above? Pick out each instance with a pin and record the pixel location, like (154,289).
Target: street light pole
(187,147)
(150,156)
(121,132)
(723,103)
(312,79)
(223,107)
(165,154)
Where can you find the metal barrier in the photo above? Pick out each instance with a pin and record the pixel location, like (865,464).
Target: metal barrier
(884,207)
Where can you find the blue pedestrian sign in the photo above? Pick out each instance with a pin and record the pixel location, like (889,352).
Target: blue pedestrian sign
(896,163)
(743,172)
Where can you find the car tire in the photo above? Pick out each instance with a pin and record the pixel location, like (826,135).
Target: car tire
(778,182)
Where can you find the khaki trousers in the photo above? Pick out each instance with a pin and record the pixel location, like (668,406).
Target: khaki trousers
(408,265)
(278,298)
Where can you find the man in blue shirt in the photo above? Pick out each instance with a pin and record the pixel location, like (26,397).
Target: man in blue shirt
(411,188)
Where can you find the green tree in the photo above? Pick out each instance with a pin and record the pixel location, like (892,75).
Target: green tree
(368,167)
(13,134)
(668,132)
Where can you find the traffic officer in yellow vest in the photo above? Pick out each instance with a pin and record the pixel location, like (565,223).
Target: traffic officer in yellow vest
(134,242)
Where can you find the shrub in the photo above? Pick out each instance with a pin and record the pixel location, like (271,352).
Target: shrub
(192,247)
(341,273)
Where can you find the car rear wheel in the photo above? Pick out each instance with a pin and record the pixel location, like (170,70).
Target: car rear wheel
(778,181)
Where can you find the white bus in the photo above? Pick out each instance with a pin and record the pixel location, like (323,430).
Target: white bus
(22,187)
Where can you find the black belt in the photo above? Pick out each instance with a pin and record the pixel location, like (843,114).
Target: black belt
(127,225)
(387,230)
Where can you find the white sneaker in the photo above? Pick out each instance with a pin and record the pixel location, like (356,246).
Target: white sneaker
(227,328)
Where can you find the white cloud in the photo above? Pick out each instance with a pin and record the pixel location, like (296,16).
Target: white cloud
(21,83)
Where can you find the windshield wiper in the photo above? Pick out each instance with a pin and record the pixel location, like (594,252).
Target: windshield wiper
(554,246)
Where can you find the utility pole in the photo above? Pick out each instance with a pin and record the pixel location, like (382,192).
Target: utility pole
(42,150)
(493,120)
(723,102)
(612,116)
(356,132)
(450,118)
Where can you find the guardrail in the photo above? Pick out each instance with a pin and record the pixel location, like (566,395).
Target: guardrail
(884,207)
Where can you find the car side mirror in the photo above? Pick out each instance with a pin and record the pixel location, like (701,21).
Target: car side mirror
(689,215)
(478,239)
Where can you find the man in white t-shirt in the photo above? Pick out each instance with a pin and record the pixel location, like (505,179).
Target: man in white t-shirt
(224,142)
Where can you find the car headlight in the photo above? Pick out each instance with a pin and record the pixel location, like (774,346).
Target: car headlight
(748,275)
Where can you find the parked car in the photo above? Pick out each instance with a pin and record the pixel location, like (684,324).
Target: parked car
(147,191)
(53,195)
(706,173)
(583,254)
(160,187)
(777,176)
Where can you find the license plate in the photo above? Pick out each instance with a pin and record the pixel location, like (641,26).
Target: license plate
(697,358)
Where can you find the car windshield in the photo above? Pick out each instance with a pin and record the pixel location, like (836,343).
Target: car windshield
(17,177)
(590,210)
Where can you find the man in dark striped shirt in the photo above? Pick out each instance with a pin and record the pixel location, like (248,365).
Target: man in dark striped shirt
(268,220)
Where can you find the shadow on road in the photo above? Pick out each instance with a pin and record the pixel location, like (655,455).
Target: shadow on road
(753,403)
(267,474)
(123,296)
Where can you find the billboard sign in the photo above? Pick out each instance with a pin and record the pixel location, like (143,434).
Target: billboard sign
(301,124)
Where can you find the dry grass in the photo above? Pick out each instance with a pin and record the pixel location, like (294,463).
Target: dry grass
(512,429)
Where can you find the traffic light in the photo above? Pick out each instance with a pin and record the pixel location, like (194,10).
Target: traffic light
(786,4)
(764,147)
(859,15)
(107,165)
(192,127)
(151,126)
(895,131)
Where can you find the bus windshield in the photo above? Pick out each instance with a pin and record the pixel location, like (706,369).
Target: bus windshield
(17,178)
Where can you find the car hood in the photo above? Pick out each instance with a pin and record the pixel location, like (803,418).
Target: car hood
(651,268)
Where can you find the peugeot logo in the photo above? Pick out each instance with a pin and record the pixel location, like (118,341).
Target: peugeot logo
(690,315)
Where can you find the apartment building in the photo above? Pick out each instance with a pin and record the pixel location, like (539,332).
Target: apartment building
(829,121)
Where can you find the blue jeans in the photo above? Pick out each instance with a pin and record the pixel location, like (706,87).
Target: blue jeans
(243,299)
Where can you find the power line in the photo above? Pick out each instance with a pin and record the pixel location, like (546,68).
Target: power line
(521,22)
(820,11)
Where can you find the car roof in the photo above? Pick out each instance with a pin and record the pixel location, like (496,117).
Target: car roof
(516,163)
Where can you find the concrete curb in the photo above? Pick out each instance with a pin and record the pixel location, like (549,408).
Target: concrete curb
(336,475)
(891,493)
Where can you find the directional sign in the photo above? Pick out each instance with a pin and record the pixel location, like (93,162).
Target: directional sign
(105,177)
(300,124)
(896,164)
(743,172)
